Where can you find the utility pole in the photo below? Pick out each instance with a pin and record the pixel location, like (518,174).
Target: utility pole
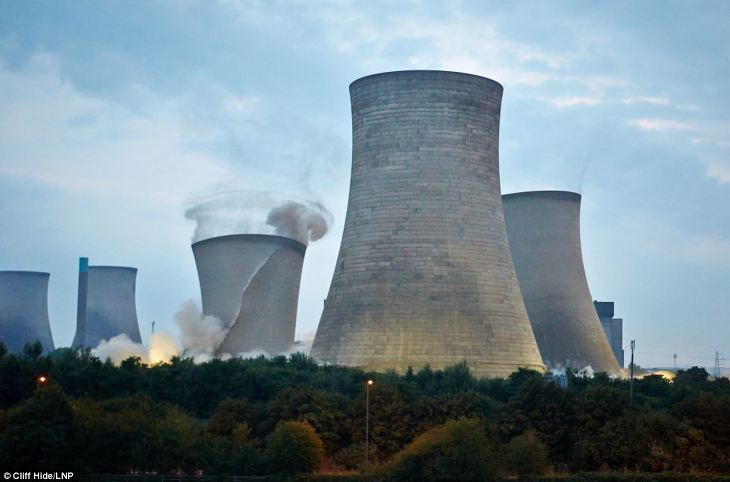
(153,327)
(675,362)
(631,370)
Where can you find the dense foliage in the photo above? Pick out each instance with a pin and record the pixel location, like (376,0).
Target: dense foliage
(459,450)
(221,417)
(294,447)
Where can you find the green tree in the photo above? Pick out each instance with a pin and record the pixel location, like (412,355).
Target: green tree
(544,407)
(526,454)
(393,422)
(17,379)
(33,350)
(324,411)
(177,438)
(41,434)
(230,413)
(457,450)
(294,448)
(121,434)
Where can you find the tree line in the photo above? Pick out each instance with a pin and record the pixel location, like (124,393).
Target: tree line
(289,414)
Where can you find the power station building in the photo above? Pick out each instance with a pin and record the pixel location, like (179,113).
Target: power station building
(24,310)
(613,328)
(106,304)
(424,274)
(251,283)
(544,234)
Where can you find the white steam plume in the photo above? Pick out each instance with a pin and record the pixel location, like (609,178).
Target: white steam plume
(258,212)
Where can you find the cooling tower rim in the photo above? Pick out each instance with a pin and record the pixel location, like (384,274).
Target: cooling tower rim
(552,194)
(110,268)
(407,71)
(39,274)
(292,243)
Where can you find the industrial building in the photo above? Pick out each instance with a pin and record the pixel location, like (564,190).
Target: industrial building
(544,235)
(251,283)
(424,274)
(106,304)
(24,310)
(613,328)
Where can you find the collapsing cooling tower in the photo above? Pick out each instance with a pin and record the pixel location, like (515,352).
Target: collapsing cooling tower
(544,234)
(106,304)
(251,283)
(24,310)
(424,274)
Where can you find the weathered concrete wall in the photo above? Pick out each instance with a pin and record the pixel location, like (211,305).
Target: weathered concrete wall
(110,305)
(544,234)
(251,283)
(24,310)
(424,274)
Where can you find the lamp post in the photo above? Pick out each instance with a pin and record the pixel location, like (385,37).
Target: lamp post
(367,420)
(39,380)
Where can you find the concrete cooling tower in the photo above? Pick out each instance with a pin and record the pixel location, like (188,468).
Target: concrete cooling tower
(544,234)
(424,274)
(106,304)
(24,310)
(251,283)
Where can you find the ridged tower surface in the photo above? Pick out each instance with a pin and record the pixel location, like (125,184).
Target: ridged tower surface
(544,234)
(111,307)
(424,274)
(24,310)
(251,283)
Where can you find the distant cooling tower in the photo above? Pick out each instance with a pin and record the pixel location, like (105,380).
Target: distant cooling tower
(24,310)
(424,274)
(251,283)
(106,304)
(544,234)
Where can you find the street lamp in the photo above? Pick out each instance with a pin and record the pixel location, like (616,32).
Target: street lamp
(39,380)
(367,419)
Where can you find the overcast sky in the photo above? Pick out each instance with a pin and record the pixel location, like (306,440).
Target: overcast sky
(117,115)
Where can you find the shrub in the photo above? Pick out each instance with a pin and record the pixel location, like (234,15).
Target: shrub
(457,450)
(351,457)
(41,434)
(527,455)
(294,448)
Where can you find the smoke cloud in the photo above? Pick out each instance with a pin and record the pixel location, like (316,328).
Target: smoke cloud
(301,222)
(119,348)
(162,348)
(258,212)
(200,335)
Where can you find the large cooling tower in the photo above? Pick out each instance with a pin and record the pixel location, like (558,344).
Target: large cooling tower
(24,310)
(106,304)
(424,274)
(251,283)
(544,234)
